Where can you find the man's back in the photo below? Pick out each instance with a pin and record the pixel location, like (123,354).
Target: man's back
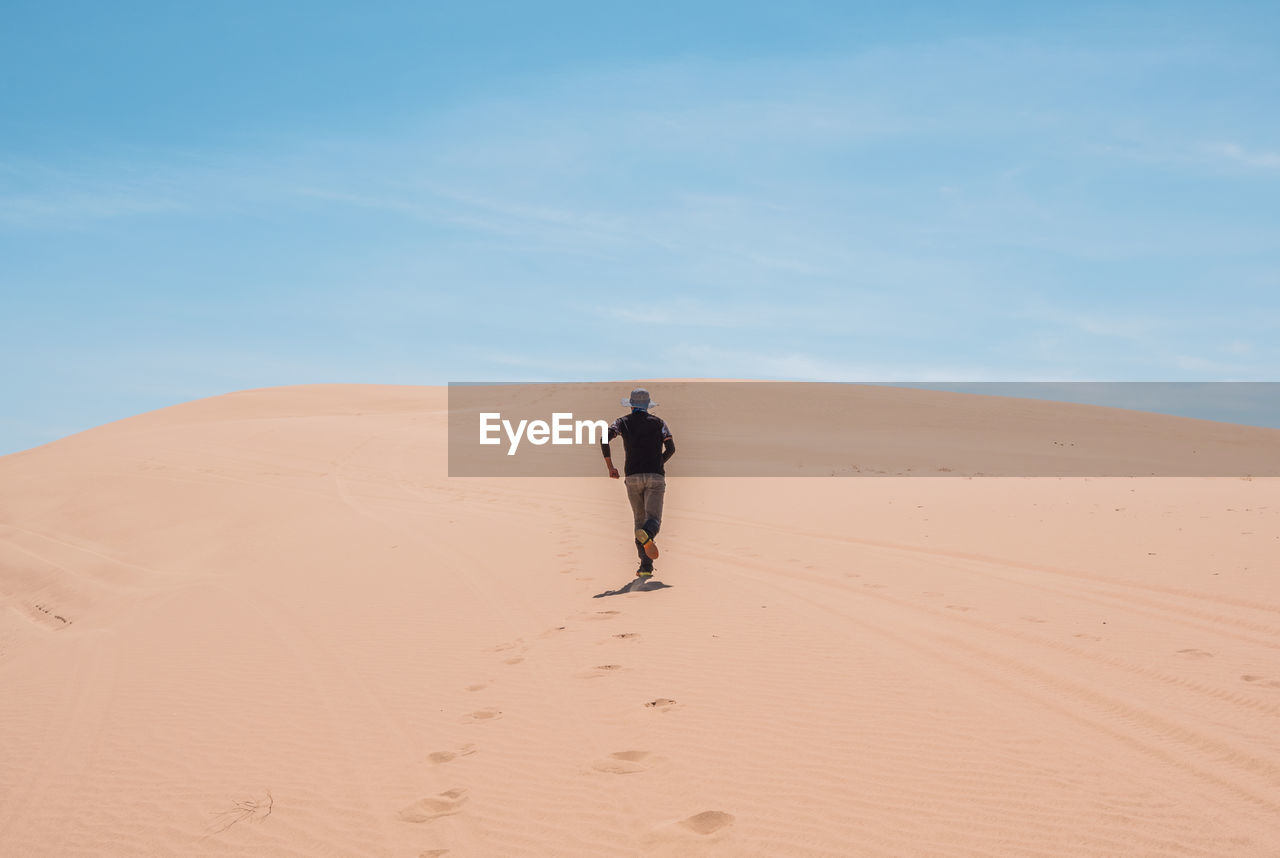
(643,435)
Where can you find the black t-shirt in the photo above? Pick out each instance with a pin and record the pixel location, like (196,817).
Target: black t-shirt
(643,436)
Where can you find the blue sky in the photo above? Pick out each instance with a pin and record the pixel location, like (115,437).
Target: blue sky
(199,198)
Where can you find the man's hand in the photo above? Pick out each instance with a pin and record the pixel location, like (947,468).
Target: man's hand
(613,472)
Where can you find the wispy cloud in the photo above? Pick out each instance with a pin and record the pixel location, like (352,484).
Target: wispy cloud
(683,312)
(781,365)
(1134,327)
(64,206)
(1250,158)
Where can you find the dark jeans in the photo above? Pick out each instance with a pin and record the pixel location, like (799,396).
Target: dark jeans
(646,491)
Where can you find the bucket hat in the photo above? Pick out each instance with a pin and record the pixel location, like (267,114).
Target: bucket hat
(640,399)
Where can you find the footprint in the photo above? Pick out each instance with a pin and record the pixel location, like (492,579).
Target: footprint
(601,615)
(1031,619)
(485,714)
(439,757)
(427,809)
(432,853)
(516,660)
(479,686)
(625,762)
(708,822)
(1087,637)
(600,670)
(1195,653)
(959,608)
(662,703)
(503,647)
(627,635)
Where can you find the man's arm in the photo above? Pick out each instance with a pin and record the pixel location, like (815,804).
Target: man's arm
(668,448)
(608,454)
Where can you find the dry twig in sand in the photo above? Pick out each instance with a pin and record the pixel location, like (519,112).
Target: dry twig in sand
(251,809)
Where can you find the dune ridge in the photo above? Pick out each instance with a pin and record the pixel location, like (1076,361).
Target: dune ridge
(269,624)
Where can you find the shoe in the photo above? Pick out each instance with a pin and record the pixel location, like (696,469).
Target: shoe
(650,547)
(644,572)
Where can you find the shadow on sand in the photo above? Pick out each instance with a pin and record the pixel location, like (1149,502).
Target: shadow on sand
(635,585)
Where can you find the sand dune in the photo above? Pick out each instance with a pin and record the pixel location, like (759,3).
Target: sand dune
(268,624)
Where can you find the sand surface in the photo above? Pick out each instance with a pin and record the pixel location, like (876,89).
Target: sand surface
(267,624)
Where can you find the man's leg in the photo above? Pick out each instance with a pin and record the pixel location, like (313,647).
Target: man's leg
(654,487)
(655,493)
(636,495)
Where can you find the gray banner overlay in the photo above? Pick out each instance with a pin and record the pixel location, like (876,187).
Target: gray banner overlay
(800,429)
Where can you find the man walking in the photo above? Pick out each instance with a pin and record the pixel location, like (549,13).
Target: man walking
(648,444)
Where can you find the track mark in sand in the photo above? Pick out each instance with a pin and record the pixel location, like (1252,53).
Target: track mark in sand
(1087,637)
(432,853)
(1031,619)
(625,762)
(627,636)
(514,660)
(436,806)
(601,615)
(601,670)
(503,647)
(441,757)
(479,686)
(1261,680)
(961,608)
(1195,653)
(54,618)
(485,714)
(662,704)
(708,822)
